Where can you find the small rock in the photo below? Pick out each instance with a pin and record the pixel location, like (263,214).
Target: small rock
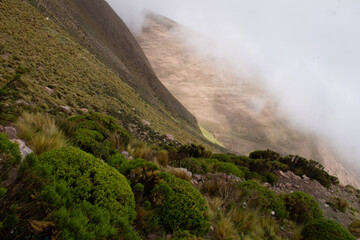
(272,213)
(266,184)
(65,109)
(168,236)
(24,150)
(282,174)
(197,177)
(211,228)
(133,109)
(305,177)
(145,123)
(326,205)
(49,90)
(20,101)
(296,186)
(288,185)
(170,137)
(84,110)
(10,131)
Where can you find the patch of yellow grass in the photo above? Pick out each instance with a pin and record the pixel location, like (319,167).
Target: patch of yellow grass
(209,136)
(40,132)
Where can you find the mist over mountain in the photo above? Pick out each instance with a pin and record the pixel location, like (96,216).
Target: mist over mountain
(304,53)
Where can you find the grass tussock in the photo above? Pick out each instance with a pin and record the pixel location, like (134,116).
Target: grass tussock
(238,223)
(40,132)
(162,157)
(178,172)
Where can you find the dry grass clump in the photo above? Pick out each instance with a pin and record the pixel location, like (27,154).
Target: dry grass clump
(40,132)
(178,172)
(141,150)
(162,157)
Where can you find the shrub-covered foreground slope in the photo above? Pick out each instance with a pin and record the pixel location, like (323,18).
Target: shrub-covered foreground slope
(69,193)
(44,67)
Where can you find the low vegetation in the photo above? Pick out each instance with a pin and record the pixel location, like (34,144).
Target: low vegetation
(301,207)
(98,193)
(325,229)
(40,132)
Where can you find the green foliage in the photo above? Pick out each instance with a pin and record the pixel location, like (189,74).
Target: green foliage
(183,207)
(339,204)
(354,228)
(3,191)
(84,221)
(183,235)
(9,155)
(99,134)
(193,150)
(325,229)
(260,154)
(194,165)
(269,177)
(298,165)
(88,179)
(258,196)
(228,168)
(302,207)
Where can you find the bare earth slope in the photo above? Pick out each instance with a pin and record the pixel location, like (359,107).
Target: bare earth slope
(236,110)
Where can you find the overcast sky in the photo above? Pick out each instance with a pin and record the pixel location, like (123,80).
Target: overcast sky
(305,52)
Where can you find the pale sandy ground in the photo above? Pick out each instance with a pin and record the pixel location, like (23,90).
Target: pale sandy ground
(236,110)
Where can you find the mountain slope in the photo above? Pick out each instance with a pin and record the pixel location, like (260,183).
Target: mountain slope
(98,28)
(236,109)
(54,60)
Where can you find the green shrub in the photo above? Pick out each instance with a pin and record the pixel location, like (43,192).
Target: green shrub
(9,155)
(339,204)
(325,229)
(261,154)
(89,179)
(269,177)
(302,207)
(260,197)
(183,235)
(98,134)
(354,228)
(183,207)
(84,221)
(194,165)
(193,150)
(228,168)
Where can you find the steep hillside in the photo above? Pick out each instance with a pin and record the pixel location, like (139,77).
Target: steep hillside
(58,74)
(98,28)
(236,109)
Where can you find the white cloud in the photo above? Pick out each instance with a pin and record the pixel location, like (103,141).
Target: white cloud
(306,52)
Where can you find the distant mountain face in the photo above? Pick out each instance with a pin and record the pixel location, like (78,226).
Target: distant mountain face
(235,109)
(100,30)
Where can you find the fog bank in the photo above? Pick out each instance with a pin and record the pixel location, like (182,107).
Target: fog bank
(306,53)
